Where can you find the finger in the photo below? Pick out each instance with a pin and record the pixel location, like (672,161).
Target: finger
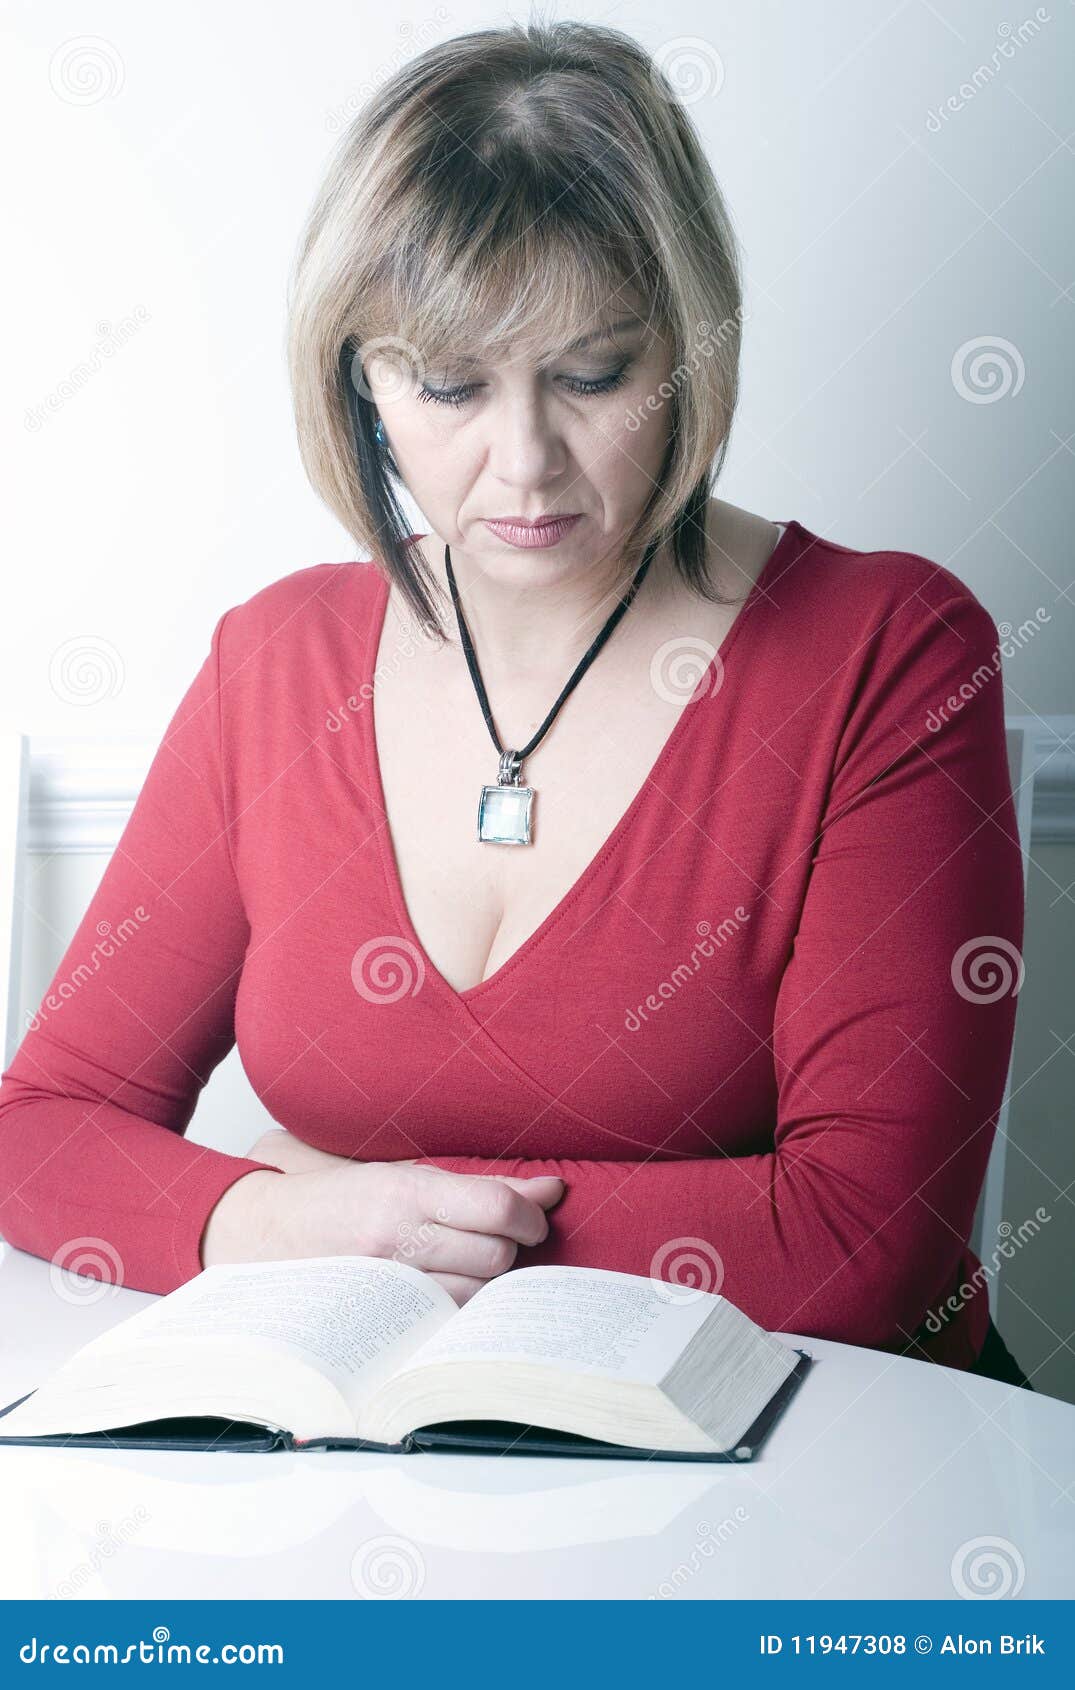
(477,1203)
(458,1285)
(545,1189)
(448,1249)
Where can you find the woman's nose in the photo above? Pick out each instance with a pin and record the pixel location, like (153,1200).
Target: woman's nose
(525,447)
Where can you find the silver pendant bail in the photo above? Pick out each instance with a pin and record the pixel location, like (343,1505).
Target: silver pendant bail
(510,764)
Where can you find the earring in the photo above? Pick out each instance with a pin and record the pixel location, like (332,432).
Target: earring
(379,434)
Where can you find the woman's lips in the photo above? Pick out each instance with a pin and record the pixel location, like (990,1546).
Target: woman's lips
(539,534)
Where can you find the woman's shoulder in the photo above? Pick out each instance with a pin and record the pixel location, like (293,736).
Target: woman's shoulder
(862,594)
(812,575)
(895,641)
(304,604)
(877,577)
(885,629)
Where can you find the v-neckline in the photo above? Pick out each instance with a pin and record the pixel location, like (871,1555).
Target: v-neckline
(788,541)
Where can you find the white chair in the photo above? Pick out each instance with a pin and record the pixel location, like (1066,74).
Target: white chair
(14,809)
(1023,762)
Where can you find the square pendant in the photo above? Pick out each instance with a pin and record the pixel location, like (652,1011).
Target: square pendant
(504,815)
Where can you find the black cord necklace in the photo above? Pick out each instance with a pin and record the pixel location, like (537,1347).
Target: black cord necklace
(504,809)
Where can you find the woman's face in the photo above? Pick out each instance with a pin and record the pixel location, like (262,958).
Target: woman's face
(571,435)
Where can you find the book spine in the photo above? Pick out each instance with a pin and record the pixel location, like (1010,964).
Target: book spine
(406,1447)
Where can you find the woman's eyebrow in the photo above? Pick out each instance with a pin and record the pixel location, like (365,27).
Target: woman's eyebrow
(605,332)
(602,333)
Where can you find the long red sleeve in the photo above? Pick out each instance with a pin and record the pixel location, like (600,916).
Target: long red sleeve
(760,1027)
(95,1172)
(889,1075)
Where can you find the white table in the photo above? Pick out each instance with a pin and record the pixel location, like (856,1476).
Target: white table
(880,1474)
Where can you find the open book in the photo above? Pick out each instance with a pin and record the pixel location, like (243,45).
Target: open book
(360,1352)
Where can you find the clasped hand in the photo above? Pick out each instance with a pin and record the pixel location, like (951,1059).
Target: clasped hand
(462,1229)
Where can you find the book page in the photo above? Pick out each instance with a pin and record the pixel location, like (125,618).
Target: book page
(355,1319)
(579,1320)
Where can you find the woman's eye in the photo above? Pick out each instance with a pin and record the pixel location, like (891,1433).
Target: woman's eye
(446,395)
(584,387)
(599,384)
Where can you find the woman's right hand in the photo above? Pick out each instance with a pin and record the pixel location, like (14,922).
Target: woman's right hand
(462,1229)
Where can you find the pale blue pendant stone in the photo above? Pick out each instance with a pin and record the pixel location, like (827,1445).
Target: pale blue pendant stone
(504,815)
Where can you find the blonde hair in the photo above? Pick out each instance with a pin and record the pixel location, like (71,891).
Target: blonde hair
(503,188)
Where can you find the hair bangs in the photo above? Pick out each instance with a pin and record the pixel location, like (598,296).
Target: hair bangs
(525,291)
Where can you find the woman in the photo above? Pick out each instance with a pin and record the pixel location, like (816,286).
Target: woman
(631,918)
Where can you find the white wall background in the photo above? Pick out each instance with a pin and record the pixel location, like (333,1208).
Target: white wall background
(159,165)
(901,176)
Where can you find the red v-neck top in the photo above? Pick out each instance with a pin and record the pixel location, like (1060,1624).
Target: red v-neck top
(766,1031)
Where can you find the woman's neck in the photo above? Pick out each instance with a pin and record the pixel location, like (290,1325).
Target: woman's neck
(522,621)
